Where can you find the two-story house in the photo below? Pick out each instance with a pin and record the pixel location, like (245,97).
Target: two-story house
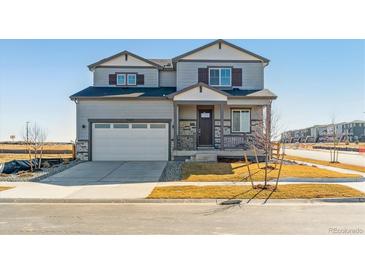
(209,100)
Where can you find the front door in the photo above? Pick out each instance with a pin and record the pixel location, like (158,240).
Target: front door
(205,127)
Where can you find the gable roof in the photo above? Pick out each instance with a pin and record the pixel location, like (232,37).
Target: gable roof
(197,85)
(92,66)
(177,58)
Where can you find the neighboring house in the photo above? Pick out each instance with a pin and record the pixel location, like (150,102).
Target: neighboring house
(354,130)
(211,100)
(350,131)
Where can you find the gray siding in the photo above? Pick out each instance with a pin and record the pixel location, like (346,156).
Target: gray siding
(101,75)
(168,78)
(252,73)
(120,109)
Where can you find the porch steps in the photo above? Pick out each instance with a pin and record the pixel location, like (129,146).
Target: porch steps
(204,157)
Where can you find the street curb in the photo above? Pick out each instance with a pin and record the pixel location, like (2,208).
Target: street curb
(185,201)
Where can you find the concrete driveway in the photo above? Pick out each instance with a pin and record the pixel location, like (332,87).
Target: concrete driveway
(105,172)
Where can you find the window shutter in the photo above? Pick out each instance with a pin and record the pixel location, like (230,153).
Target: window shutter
(203,75)
(236,77)
(140,79)
(112,79)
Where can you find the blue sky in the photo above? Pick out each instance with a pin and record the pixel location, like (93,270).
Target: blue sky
(314,79)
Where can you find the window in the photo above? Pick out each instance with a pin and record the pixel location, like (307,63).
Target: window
(131,79)
(157,126)
(102,125)
(241,120)
(139,125)
(121,125)
(126,79)
(120,79)
(220,77)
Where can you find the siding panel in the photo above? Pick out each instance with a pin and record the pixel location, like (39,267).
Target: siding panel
(101,75)
(128,109)
(252,74)
(168,78)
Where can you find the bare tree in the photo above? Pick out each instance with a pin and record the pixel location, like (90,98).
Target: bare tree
(334,150)
(35,138)
(264,134)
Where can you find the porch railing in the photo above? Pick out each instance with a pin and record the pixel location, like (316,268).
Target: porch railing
(189,142)
(241,142)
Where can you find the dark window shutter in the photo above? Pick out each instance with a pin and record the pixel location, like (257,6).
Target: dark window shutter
(236,77)
(112,79)
(140,79)
(203,75)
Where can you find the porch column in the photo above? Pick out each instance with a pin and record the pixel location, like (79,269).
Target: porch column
(222,124)
(175,125)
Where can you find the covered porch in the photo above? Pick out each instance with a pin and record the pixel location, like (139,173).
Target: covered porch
(207,121)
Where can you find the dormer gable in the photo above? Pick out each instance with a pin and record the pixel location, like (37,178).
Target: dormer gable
(221,50)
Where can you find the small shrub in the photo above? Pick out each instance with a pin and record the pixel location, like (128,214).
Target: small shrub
(46,164)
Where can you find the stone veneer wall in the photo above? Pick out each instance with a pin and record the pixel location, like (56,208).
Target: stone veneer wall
(82,150)
(187,134)
(217,131)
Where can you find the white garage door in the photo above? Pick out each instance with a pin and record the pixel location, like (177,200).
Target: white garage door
(130,142)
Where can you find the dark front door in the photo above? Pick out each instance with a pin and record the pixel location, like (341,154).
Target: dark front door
(205,129)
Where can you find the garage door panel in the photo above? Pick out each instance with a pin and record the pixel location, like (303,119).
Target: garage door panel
(130,144)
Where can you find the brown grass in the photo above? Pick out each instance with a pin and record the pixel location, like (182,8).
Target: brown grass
(9,157)
(299,191)
(310,145)
(325,163)
(235,172)
(46,146)
(2,188)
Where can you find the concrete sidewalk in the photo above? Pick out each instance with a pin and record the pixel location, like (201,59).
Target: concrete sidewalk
(31,190)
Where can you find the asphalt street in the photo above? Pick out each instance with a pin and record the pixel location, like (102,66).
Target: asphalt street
(159,218)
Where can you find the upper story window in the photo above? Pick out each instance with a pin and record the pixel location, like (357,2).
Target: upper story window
(126,79)
(220,77)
